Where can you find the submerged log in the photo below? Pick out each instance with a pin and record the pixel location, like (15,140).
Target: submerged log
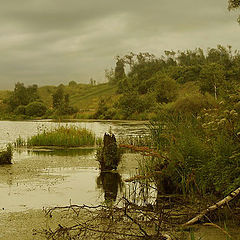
(109,155)
(217,205)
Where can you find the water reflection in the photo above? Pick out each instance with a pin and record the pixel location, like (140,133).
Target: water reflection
(110,183)
(62,152)
(10,130)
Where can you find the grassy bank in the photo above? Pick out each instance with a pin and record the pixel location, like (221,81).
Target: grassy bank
(63,137)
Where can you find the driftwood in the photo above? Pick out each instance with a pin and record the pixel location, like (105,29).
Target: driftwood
(221,203)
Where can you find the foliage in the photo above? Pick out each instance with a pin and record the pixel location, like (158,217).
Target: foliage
(61,102)
(72,84)
(63,136)
(198,158)
(58,98)
(212,78)
(22,95)
(36,109)
(215,72)
(119,72)
(193,104)
(233,4)
(166,89)
(20,110)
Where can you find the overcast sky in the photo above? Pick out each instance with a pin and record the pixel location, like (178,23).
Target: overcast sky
(56,41)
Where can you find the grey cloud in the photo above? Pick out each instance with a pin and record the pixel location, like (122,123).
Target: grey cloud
(55,41)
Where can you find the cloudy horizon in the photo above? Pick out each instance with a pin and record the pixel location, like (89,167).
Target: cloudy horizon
(49,42)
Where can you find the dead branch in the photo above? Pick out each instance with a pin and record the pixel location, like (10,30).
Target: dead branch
(221,203)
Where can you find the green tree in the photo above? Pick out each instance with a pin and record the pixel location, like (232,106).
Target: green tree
(131,103)
(166,89)
(119,72)
(72,84)
(58,98)
(234,4)
(61,102)
(22,95)
(212,77)
(37,109)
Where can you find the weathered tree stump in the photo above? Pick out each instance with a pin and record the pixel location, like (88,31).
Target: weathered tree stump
(109,155)
(6,155)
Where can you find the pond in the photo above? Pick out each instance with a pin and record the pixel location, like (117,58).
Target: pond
(45,178)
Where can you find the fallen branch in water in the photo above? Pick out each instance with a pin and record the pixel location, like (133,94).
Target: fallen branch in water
(221,203)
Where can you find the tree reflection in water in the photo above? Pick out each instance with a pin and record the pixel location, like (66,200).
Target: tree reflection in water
(110,182)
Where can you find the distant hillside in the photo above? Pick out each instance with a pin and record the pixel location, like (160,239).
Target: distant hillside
(82,96)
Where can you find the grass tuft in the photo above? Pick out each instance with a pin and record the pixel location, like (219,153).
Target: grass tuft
(63,136)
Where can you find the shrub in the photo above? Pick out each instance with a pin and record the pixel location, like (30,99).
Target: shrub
(20,110)
(166,90)
(196,156)
(37,109)
(193,104)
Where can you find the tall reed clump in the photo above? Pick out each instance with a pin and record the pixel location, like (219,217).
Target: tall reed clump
(201,154)
(6,155)
(63,136)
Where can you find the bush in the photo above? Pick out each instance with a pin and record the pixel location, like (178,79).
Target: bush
(36,109)
(196,156)
(193,104)
(20,110)
(166,90)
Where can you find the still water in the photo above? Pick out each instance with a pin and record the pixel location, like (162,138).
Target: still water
(46,178)
(38,179)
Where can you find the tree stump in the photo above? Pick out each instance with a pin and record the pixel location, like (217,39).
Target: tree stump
(109,155)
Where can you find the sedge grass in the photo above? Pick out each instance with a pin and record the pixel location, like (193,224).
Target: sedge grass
(63,136)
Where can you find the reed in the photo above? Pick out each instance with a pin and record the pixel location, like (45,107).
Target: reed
(63,136)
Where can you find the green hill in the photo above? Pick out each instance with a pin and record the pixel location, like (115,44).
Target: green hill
(83,96)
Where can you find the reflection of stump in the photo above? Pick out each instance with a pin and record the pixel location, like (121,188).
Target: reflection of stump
(109,155)
(109,182)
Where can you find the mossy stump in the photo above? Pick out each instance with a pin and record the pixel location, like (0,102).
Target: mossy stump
(109,154)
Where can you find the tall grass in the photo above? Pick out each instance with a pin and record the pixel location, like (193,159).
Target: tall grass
(63,136)
(202,151)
